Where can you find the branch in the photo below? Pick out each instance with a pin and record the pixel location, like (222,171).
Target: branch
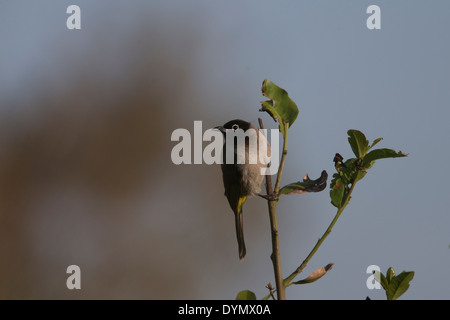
(272,204)
(287,282)
(271,290)
(283,159)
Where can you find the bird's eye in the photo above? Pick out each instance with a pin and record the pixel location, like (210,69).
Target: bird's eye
(235,127)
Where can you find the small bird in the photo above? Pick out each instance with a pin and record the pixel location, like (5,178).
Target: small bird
(243,180)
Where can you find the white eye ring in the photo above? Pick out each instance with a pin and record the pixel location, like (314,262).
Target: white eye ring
(235,127)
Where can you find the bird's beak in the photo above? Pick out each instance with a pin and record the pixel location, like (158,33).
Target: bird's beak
(220,128)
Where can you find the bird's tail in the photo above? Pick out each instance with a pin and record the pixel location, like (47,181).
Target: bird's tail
(240,234)
(239,217)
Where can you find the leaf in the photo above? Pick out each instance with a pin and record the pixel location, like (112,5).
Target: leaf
(390,274)
(380,154)
(246,295)
(316,275)
(337,193)
(358,142)
(359,175)
(375,142)
(399,285)
(307,185)
(284,110)
(381,279)
(270,109)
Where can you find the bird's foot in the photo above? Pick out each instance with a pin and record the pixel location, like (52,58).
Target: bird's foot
(270,197)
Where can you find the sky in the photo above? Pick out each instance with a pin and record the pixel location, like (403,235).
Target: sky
(86,118)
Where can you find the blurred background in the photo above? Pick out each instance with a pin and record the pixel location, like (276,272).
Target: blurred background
(86,118)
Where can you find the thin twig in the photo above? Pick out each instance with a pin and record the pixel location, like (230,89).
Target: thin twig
(271,290)
(268,177)
(287,282)
(283,159)
(275,256)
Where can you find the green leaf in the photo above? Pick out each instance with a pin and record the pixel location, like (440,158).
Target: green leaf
(380,154)
(246,295)
(375,142)
(348,170)
(359,175)
(399,285)
(285,111)
(307,185)
(337,192)
(358,142)
(381,279)
(390,274)
(269,108)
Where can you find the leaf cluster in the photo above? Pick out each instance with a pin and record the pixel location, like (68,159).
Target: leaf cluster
(280,107)
(394,285)
(354,169)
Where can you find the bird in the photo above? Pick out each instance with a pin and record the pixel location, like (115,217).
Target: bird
(243,177)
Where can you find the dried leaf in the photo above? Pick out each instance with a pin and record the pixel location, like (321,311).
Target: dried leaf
(307,185)
(316,275)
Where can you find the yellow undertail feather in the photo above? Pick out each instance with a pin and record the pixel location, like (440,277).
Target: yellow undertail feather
(241,203)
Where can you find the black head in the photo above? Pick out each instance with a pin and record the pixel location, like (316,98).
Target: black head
(235,124)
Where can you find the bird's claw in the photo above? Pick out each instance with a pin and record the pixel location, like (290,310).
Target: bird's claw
(270,197)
